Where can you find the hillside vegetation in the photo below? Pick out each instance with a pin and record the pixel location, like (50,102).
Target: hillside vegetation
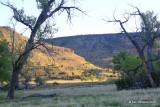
(96,48)
(53,61)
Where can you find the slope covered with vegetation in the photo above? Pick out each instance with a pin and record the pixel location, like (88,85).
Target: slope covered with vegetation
(96,48)
(52,61)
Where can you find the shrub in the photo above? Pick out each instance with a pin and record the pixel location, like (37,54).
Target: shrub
(55,83)
(91,75)
(84,78)
(156,74)
(100,77)
(39,80)
(156,77)
(124,83)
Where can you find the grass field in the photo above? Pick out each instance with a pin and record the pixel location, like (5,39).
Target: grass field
(87,95)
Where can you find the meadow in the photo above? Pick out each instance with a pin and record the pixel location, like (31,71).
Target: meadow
(84,95)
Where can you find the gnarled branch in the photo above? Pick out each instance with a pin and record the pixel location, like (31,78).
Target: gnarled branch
(17,15)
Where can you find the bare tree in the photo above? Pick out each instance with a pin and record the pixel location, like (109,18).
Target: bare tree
(39,27)
(147,34)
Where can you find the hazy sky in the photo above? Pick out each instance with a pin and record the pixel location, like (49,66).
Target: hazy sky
(92,23)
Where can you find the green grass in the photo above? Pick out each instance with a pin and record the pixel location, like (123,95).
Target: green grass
(93,96)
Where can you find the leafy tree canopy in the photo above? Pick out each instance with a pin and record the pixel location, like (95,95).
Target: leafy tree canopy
(5,61)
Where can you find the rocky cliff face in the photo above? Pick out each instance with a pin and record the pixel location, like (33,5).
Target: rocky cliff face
(97,48)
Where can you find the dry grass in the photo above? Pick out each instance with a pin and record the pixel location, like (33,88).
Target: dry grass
(86,96)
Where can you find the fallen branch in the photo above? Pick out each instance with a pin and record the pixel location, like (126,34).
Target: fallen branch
(38,95)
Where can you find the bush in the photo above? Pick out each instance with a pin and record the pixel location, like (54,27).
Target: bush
(124,83)
(156,77)
(100,77)
(92,75)
(84,78)
(156,74)
(39,80)
(55,83)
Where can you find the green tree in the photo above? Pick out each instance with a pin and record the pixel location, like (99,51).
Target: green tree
(132,71)
(5,61)
(144,39)
(40,26)
(125,62)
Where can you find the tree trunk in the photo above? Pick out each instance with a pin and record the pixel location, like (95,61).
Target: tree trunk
(12,85)
(149,55)
(146,68)
(17,81)
(14,77)
(19,65)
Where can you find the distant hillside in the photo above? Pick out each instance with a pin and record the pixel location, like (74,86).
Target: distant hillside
(62,60)
(98,48)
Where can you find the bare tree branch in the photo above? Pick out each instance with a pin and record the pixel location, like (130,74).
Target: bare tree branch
(34,46)
(47,49)
(17,14)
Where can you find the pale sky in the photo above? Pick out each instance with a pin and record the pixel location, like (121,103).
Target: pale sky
(92,23)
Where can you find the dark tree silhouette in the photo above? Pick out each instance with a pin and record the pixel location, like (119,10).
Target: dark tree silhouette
(39,26)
